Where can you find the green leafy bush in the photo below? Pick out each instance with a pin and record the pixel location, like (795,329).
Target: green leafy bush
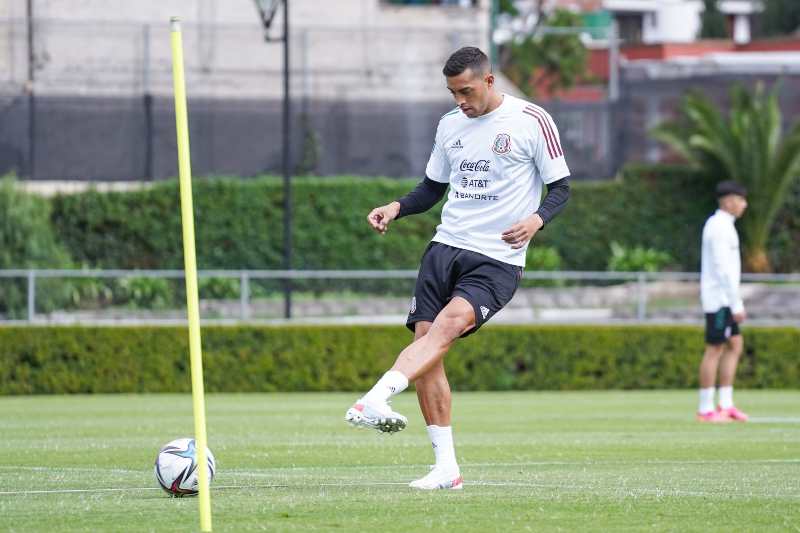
(636,259)
(219,288)
(91,293)
(27,240)
(545,258)
(55,360)
(146,293)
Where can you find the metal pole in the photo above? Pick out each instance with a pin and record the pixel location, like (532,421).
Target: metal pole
(244,295)
(618,113)
(613,61)
(149,170)
(287,182)
(31,295)
(494,8)
(29,86)
(641,290)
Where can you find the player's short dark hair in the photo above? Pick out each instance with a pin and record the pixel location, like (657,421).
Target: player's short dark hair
(724,188)
(468,57)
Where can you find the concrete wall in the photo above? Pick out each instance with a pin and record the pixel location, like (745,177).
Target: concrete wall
(358,49)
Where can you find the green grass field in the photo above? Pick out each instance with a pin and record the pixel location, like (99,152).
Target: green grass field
(614,461)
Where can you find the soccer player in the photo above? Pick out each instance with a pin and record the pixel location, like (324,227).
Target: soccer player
(720,272)
(496,153)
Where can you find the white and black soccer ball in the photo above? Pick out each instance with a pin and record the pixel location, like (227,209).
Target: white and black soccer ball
(176,467)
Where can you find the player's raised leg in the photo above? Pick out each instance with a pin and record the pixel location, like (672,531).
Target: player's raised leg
(457,318)
(373,410)
(727,372)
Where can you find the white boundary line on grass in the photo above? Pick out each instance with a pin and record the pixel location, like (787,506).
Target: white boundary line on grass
(775,420)
(633,491)
(628,492)
(219,487)
(267,470)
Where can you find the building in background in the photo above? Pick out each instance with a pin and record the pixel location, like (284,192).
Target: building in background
(667,21)
(366,85)
(86,94)
(373,49)
(663,35)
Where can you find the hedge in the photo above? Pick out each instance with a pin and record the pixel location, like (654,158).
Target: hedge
(239,223)
(50,360)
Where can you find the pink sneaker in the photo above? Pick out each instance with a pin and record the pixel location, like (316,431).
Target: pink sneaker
(713,417)
(733,413)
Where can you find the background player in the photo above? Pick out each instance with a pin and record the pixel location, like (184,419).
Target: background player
(720,273)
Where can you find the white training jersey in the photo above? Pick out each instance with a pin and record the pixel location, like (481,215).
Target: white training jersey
(720,264)
(496,165)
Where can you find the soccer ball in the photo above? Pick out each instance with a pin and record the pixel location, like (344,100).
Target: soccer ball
(176,467)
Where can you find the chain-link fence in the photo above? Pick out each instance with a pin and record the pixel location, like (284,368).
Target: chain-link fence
(365,101)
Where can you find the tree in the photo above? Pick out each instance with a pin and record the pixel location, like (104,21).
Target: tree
(713,25)
(780,17)
(27,240)
(507,6)
(556,61)
(747,146)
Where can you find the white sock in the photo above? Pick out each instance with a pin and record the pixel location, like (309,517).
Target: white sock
(443,449)
(726,397)
(706,400)
(392,382)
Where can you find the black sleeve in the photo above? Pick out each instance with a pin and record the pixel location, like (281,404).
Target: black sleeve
(425,195)
(555,200)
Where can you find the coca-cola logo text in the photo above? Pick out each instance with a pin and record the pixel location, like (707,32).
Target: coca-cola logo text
(482,165)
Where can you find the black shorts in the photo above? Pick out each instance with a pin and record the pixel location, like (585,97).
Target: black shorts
(720,326)
(446,271)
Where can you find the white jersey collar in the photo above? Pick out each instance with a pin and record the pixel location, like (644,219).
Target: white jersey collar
(494,111)
(726,216)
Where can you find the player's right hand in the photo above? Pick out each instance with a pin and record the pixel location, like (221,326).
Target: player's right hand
(740,317)
(380,217)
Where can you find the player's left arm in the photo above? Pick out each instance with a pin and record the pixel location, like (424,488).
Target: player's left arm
(547,155)
(553,203)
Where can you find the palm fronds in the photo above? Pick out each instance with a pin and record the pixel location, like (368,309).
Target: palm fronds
(747,146)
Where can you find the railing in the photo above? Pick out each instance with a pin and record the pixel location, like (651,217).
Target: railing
(36,296)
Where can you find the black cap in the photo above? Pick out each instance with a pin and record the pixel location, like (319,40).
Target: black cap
(724,188)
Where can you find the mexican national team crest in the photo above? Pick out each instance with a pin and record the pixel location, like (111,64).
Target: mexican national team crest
(502,144)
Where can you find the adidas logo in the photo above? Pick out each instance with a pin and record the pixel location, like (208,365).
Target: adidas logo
(457,145)
(484,311)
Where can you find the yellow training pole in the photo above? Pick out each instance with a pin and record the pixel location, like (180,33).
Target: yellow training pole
(190,264)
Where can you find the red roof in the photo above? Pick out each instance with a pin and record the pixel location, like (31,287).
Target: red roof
(598,61)
(598,58)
